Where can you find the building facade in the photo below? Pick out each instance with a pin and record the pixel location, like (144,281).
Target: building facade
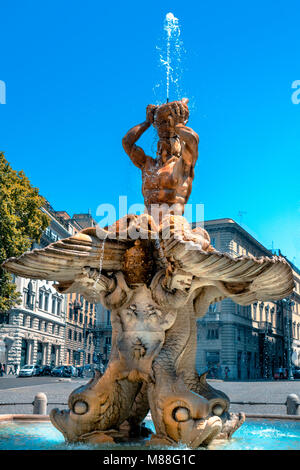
(247,342)
(34,331)
(87,325)
(103,334)
(80,322)
(50,328)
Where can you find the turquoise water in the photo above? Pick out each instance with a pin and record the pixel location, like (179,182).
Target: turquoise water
(253,435)
(266,435)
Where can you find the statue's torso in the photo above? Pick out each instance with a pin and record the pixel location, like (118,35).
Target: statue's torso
(169,183)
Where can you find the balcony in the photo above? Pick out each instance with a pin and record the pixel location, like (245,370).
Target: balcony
(266,327)
(211,317)
(104,327)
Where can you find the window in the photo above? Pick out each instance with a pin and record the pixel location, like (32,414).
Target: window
(41,298)
(24,320)
(29,296)
(254,311)
(46,302)
(53,304)
(45,326)
(58,310)
(75,335)
(31,322)
(4,318)
(212,333)
(80,337)
(69,334)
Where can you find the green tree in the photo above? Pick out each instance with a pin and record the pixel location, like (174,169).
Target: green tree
(21,223)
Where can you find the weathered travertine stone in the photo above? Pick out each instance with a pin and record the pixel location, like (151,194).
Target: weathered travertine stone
(155,284)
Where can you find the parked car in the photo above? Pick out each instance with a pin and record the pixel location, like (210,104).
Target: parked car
(280,373)
(45,370)
(88,370)
(74,371)
(58,371)
(62,371)
(28,371)
(296,372)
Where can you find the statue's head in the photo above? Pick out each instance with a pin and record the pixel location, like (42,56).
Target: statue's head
(167,115)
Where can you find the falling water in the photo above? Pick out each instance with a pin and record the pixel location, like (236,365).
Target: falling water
(102,255)
(101,258)
(170,54)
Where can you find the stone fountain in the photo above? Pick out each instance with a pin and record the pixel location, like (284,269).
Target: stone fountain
(156,276)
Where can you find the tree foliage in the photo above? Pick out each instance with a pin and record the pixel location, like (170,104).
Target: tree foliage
(21,223)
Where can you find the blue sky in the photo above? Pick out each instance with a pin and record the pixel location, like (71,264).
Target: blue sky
(79,74)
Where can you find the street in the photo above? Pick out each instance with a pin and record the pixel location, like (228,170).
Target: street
(11,381)
(22,390)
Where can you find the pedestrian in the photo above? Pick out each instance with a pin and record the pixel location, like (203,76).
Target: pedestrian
(16,369)
(227,370)
(11,371)
(1,370)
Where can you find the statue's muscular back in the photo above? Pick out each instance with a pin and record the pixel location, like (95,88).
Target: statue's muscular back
(168,178)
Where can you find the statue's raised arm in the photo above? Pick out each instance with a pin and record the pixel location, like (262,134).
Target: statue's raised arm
(137,154)
(167,179)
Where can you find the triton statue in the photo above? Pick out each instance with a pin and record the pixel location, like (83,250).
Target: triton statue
(156,285)
(168,178)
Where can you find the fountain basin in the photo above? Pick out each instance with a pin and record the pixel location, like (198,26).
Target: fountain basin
(35,432)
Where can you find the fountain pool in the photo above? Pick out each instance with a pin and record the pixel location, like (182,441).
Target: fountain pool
(253,435)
